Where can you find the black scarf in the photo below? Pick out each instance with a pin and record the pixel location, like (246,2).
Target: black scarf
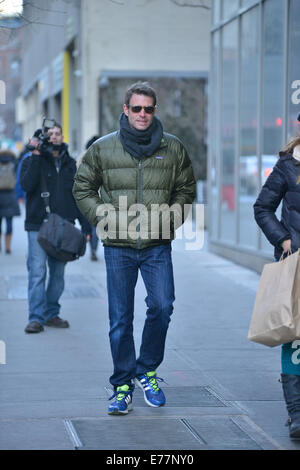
(139,143)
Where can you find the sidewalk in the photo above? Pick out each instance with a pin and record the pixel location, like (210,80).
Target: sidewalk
(222,390)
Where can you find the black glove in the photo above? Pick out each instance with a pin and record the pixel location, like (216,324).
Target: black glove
(37,133)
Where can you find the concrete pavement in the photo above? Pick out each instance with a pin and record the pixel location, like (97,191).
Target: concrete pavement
(222,391)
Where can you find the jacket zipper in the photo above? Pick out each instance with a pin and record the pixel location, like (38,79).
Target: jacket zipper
(139,200)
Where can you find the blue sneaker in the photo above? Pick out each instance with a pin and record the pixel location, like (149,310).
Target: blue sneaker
(153,395)
(123,401)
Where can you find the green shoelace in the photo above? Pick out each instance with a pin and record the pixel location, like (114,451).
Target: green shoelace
(121,393)
(151,376)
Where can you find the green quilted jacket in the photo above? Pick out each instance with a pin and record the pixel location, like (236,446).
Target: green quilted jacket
(135,203)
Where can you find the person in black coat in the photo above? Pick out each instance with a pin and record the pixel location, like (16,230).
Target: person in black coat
(283,185)
(9,207)
(57,169)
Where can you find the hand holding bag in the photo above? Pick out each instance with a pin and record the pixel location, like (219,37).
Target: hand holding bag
(59,237)
(276,314)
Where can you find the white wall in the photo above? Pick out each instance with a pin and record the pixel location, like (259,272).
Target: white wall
(139,35)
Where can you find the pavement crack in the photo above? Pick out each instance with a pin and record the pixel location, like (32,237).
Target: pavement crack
(193,431)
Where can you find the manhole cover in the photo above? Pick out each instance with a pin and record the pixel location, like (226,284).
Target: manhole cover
(221,432)
(183,396)
(121,433)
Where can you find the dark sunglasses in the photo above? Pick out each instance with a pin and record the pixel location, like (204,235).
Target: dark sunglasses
(138,109)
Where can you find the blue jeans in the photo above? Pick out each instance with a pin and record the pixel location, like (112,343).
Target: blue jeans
(42,300)
(122,266)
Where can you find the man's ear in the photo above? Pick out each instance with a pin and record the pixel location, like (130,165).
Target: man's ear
(125,109)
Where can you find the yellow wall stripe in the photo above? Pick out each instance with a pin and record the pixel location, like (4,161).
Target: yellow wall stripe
(66,96)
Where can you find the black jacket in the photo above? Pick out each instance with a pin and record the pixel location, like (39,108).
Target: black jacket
(281,185)
(59,185)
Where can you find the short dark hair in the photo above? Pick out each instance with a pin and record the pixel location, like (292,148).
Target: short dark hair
(58,125)
(140,88)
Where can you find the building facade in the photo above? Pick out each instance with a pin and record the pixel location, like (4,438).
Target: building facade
(101,46)
(50,58)
(254,103)
(10,78)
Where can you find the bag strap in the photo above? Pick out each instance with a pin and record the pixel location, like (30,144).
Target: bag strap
(45,195)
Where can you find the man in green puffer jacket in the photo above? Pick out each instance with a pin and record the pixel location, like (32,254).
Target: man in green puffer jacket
(146,183)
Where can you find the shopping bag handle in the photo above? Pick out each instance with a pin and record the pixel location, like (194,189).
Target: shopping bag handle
(289,252)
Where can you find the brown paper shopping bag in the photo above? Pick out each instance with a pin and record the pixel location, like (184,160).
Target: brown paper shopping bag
(276,314)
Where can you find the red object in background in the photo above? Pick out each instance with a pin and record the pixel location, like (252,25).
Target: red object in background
(228,196)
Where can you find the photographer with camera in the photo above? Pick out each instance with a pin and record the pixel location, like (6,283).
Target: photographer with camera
(49,165)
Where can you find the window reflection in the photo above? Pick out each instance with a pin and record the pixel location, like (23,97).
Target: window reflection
(247,3)
(249,179)
(294,67)
(273,83)
(229,7)
(216,11)
(214,131)
(228,138)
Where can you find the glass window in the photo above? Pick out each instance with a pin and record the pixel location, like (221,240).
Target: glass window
(214,111)
(248,171)
(294,69)
(273,86)
(216,11)
(247,3)
(228,130)
(229,7)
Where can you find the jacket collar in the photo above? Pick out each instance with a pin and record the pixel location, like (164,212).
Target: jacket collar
(64,154)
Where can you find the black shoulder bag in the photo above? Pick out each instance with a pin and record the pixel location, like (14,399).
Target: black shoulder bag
(57,236)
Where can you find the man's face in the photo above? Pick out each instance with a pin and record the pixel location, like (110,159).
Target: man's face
(56,136)
(141,120)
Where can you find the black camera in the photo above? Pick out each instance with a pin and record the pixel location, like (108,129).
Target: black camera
(44,144)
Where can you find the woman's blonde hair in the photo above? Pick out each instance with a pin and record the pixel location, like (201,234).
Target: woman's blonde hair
(289,147)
